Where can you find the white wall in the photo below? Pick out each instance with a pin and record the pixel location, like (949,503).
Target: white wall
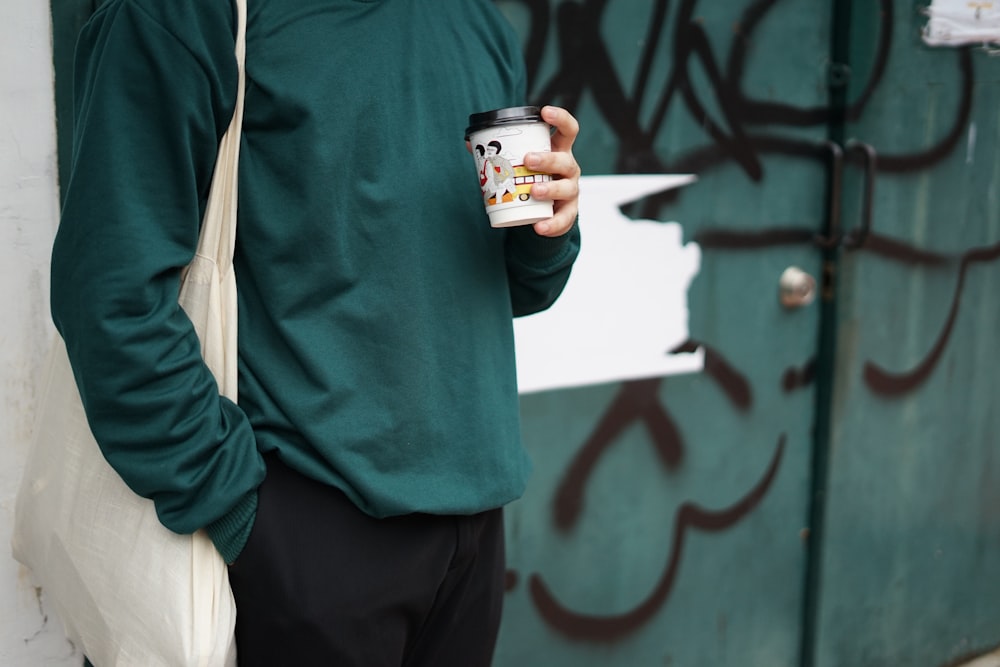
(29,636)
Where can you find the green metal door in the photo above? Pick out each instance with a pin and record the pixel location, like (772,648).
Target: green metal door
(667,521)
(909,571)
(823,492)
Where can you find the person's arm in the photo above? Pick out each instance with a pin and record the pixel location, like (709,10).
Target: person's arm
(539,258)
(154,91)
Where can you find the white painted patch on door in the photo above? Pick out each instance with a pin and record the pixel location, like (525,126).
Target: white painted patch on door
(625,306)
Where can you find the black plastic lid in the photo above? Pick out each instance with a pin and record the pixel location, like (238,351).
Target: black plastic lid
(481,121)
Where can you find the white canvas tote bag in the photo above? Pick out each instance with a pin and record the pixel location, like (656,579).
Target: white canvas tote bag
(129,592)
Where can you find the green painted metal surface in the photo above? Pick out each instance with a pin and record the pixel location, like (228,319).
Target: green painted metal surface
(910,570)
(697,559)
(902,486)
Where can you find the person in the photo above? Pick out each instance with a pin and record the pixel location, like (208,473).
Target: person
(357,488)
(482,166)
(501,174)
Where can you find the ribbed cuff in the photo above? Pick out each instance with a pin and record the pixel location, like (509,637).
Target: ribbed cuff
(542,251)
(231,532)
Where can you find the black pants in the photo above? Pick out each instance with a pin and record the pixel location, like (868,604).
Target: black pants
(321,583)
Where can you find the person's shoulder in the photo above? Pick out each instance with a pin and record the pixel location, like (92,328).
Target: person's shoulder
(187,20)
(205,29)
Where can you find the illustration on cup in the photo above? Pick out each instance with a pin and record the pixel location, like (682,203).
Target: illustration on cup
(501,181)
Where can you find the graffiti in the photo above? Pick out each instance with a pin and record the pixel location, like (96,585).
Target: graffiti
(740,131)
(636,401)
(586,66)
(887,383)
(732,382)
(688,517)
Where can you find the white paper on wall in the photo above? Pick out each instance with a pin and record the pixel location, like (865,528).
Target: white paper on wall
(625,305)
(958,22)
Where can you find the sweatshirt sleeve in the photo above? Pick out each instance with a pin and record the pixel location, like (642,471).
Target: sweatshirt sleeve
(155,89)
(538,267)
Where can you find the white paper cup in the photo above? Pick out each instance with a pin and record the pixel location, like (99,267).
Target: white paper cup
(499,140)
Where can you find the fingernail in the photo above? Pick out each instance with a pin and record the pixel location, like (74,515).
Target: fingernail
(531,160)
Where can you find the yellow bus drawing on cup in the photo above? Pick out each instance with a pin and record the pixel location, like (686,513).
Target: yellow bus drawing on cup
(524,178)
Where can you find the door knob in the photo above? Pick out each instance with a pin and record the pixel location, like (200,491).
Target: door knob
(796,288)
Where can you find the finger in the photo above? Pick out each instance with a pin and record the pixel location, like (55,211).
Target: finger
(559,190)
(560,165)
(565,124)
(562,220)
(557,225)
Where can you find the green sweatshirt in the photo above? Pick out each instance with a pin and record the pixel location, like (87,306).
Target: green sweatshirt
(376,303)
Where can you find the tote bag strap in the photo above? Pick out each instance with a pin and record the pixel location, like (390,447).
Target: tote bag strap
(208,284)
(217,239)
